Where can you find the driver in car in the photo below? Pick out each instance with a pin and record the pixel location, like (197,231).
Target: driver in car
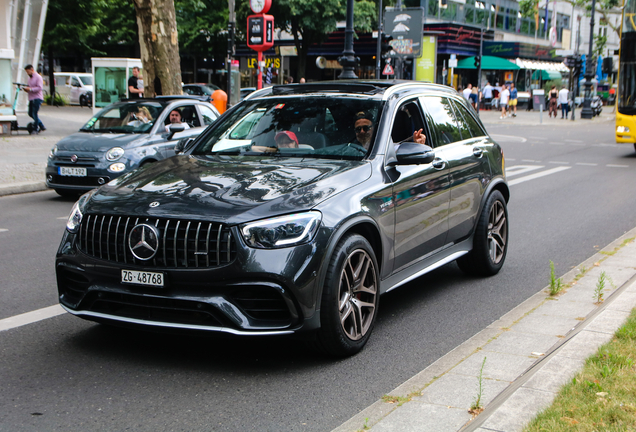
(175,119)
(364,131)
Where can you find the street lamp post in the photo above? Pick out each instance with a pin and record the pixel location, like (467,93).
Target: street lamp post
(586,112)
(348,59)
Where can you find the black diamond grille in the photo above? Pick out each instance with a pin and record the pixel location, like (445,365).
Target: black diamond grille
(182,243)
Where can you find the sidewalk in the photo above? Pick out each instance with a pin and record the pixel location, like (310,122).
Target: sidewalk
(530,353)
(536,118)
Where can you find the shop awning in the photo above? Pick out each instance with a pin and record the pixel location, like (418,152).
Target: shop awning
(487,63)
(546,75)
(541,65)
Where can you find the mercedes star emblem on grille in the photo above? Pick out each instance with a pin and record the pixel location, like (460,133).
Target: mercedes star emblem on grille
(154,204)
(74,158)
(143,241)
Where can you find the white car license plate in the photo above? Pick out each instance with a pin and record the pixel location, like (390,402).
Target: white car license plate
(142,278)
(72,171)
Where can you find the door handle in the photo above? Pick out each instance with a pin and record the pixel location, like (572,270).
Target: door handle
(438,164)
(477,152)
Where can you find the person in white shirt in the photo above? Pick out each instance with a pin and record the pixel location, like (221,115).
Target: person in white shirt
(487,94)
(467,91)
(564,102)
(503,100)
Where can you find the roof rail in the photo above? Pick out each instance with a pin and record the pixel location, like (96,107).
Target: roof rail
(330,86)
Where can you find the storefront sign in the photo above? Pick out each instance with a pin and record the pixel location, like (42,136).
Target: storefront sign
(520,49)
(425,63)
(274,62)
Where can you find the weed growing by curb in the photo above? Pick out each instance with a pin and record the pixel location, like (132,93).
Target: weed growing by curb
(599,292)
(556,284)
(476,407)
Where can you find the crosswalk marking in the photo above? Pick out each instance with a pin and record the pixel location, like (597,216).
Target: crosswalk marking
(30,317)
(538,175)
(521,169)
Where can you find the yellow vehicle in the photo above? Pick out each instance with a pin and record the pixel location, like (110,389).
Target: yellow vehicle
(626,104)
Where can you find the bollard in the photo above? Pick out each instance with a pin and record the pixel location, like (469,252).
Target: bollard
(540,113)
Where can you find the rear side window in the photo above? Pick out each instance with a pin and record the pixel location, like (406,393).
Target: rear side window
(208,115)
(469,121)
(443,119)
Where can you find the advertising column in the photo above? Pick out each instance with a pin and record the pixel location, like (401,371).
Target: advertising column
(425,64)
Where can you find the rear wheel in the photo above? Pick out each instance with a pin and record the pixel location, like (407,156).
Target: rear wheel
(490,243)
(350,298)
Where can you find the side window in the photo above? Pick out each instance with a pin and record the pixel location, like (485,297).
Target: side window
(188,115)
(208,115)
(470,122)
(461,123)
(441,113)
(75,82)
(408,119)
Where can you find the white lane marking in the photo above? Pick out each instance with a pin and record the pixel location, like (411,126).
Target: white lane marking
(508,138)
(3,229)
(63,218)
(578,145)
(559,163)
(574,141)
(557,143)
(617,166)
(606,145)
(530,160)
(539,174)
(521,169)
(538,138)
(510,159)
(586,164)
(31,317)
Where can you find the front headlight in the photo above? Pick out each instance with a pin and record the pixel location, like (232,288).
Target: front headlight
(114,153)
(53,151)
(77,212)
(622,129)
(283,231)
(117,167)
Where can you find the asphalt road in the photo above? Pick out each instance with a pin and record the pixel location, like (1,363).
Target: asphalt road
(67,374)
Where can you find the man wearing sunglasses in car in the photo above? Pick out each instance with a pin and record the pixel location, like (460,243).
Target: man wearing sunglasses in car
(364,131)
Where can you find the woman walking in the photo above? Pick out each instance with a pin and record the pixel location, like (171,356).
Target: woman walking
(552,104)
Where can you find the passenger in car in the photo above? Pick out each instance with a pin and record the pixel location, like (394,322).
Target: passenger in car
(141,117)
(286,139)
(175,119)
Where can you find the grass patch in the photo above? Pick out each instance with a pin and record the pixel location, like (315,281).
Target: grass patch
(617,248)
(399,400)
(602,397)
(556,284)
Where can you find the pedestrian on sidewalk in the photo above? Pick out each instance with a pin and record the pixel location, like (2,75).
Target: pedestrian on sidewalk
(487,92)
(552,104)
(564,102)
(467,92)
(34,88)
(504,97)
(513,100)
(475,96)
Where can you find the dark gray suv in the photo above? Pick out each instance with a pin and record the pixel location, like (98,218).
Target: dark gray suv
(292,214)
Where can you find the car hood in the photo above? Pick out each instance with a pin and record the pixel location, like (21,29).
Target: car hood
(96,142)
(230,190)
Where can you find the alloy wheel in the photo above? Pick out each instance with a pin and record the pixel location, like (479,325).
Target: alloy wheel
(357,294)
(497,232)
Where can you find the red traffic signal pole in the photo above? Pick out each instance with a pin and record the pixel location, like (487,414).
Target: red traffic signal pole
(260,32)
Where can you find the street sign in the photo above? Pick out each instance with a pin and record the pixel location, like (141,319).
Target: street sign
(260,32)
(405,26)
(452,63)
(564,52)
(388,70)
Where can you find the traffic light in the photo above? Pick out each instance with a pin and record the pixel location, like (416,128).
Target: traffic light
(385,46)
(578,64)
(477,62)
(608,65)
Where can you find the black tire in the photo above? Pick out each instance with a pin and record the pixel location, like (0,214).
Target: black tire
(350,298)
(67,193)
(490,244)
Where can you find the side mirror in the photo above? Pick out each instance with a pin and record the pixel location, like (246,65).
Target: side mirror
(175,129)
(410,153)
(183,145)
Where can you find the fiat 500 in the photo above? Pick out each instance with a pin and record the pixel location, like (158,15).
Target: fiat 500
(292,214)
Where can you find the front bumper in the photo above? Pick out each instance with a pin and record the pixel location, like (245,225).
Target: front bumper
(261,292)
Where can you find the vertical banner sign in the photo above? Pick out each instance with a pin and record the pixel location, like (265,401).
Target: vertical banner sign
(425,63)
(406,27)
(255,30)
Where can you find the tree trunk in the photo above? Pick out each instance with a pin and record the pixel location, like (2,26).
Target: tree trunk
(159,46)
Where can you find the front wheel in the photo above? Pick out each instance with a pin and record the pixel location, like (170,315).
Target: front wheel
(490,243)
(350,298)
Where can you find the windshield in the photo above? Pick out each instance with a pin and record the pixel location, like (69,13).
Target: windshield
(131,117)
(317,127)
(86,80)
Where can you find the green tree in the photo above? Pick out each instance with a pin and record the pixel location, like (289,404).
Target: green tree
(310,21)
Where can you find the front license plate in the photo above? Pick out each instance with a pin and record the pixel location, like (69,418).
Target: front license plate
(142,278)
(72,171)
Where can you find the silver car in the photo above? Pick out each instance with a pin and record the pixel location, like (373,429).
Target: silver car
(122,137)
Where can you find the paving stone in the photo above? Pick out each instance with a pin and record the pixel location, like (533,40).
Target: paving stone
(536,323)
(460,391)
(565,307)
(518,410)
(584,344)
(625,302)
(608,321)
(554,373)
(523,344)
(499,366)
(414,417)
